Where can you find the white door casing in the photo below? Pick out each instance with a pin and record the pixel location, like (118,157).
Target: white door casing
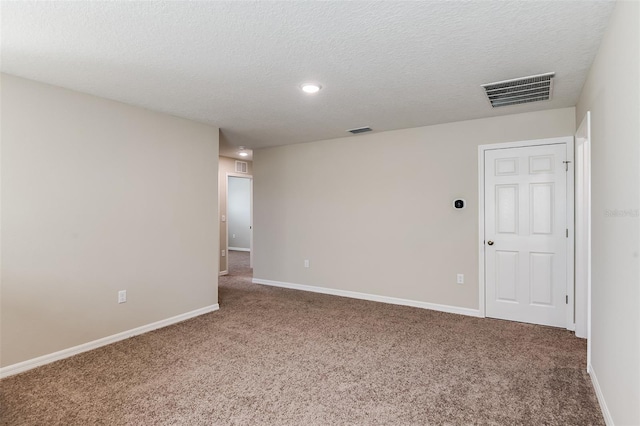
(526,234)
(583,229)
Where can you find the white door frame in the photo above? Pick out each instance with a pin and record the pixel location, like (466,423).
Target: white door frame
(226,243)
(568,140)
(583,232)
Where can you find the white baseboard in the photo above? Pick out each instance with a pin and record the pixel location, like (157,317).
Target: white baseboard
(239,249)
(221,273)
(372,297)
(20,367)
(603,405)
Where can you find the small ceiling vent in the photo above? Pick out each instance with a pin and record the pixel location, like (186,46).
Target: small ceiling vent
(359,130)
(520,90)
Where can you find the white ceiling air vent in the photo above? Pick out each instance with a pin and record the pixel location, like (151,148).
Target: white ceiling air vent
(359,130)
(520,90)
(242,167)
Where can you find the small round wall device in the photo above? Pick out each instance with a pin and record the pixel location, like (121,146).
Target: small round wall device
(459,204)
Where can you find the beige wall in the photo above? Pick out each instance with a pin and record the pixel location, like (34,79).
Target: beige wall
(373,212)
(612,94)
(226,165)
(99,196)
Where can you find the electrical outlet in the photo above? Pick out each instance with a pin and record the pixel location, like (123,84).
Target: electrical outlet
(306,263)
(223,253)
(460,279)
(122,296)
(233,235)
(223,218)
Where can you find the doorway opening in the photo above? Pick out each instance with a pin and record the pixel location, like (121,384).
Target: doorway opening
(239,222)
(232,168)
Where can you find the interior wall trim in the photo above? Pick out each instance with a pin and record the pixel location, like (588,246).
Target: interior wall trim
(372,297)
(603,404)
(23,366)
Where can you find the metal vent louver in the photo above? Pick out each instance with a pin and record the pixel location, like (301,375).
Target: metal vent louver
(242,167)
(359,130)
(520,90)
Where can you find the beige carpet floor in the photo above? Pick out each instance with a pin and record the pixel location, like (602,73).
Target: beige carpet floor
(285,357)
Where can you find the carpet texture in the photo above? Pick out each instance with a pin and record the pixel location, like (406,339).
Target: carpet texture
(286,357)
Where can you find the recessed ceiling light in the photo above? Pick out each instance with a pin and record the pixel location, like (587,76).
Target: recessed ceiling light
(311,88)
(242,152)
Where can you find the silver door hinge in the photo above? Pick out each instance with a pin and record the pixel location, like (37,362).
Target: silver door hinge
(566,300)
(566,165)
(567,232)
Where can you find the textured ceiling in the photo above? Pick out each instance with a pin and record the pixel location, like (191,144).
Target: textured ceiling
(238,65)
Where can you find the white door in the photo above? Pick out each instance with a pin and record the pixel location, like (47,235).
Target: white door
(526,234)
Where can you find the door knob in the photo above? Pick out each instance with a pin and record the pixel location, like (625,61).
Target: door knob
(490,243)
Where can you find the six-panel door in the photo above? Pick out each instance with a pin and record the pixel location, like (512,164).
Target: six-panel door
(525,232)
